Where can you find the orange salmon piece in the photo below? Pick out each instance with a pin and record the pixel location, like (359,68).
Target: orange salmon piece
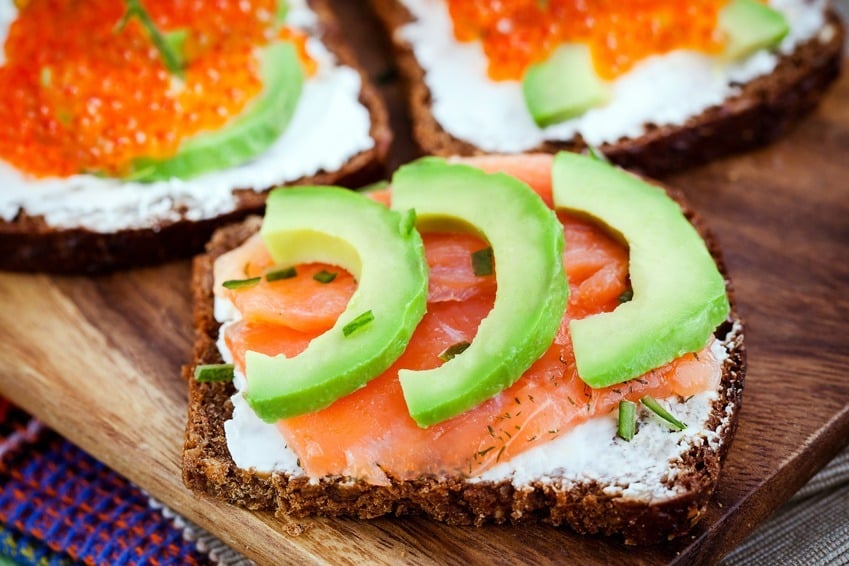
(370,431)
(533,169)
(300,303)
(450,273)
(265,338)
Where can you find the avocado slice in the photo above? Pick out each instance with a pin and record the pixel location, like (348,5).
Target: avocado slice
(248,135)
(679,294)
(386,256)
(527,243)
(563,86)
(750,25)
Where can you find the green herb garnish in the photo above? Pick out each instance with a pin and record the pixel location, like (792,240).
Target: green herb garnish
(482,262)
(662,413)
(241,283)
(453,350)
(324,276)
(627,419)
(167,46)
(408,221)
(208,373)
(357,323)
(278,274)
(596,154)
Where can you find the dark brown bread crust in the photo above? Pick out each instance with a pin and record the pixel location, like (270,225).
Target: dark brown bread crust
(586,508)
(765,108)
(28,243)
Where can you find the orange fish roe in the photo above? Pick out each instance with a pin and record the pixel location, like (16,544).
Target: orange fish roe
(517,33)
(79,95)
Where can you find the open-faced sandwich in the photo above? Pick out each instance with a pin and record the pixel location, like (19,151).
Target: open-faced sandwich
(656,86)
(131,129)
(500,338)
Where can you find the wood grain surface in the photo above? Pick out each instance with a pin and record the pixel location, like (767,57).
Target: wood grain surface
(98,360)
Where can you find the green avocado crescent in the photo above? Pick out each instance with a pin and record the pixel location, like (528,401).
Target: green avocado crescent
(527,244)
(248,134)
(679,294)
(380,248)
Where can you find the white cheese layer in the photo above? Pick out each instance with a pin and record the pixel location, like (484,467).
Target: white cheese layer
(590,451)
(661,90)
(593,451)
(329,127)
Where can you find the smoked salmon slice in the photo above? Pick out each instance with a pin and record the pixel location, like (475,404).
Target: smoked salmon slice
(369,433)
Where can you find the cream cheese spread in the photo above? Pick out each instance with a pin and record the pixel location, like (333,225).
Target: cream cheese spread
(661,90)
(329,127)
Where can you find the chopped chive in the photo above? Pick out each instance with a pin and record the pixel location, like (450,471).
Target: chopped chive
(324,276)
(597,154)
(279,274)
(166,46)
(627,419)
(485,451)
(357,323)
(482,262)
(664,415)
(176,41)
(241,283)
(208,373)
(453,350)
(626,295)
(408,222)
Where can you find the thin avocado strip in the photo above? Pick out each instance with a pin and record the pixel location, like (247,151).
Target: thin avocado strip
(749,26)
(248,135)
(527,244)
(563,86)
(679,295)
(337,226)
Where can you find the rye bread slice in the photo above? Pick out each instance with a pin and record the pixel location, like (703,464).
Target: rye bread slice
(765,108)
(29,243)
(585,506)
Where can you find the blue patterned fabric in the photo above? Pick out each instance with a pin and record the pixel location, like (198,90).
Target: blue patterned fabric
(60,506)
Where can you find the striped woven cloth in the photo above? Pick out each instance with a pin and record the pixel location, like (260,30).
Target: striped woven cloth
(59,506)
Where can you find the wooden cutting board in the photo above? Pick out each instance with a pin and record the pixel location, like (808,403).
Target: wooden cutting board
(98,360)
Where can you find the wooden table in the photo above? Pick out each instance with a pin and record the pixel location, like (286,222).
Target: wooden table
(98,360)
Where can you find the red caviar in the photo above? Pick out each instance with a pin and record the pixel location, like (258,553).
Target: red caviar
(79,95)
(517,33)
